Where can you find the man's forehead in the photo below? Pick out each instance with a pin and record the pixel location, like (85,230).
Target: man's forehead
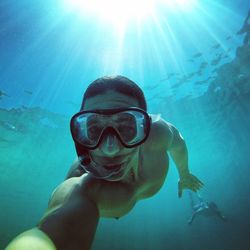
(110,99)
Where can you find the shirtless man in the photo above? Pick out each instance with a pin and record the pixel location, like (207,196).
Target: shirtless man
(122,158)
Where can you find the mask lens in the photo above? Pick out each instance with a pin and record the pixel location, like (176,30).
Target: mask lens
(86,129)
(131,126)
(132,129)
(126,126)
(94,127)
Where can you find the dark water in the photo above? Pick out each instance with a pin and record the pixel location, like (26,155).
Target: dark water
(209,102)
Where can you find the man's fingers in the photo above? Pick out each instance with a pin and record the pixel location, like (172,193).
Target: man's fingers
(198,181)
(201,183)
(192,183)
(198,185)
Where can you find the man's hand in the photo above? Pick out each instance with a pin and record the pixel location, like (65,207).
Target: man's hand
(189,181)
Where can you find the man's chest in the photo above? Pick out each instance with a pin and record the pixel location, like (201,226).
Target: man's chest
(117,199)
(152,173)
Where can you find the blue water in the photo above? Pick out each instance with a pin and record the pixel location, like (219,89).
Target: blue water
(194,70)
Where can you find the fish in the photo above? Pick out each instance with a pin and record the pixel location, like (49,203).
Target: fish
(203,65)
(4,140)
(28,92)
(203,81)
(197,55)
(190,75)
(169,76)
(3,94)
(216,60)
(216,46)
(199,72)
(8,125)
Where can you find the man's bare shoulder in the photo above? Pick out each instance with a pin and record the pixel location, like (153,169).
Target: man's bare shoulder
(75,187)
(71,187)
(161,134)
(62,191)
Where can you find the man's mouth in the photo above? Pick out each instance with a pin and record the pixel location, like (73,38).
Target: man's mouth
(113,166)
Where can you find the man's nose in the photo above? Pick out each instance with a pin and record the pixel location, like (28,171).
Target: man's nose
(110,144)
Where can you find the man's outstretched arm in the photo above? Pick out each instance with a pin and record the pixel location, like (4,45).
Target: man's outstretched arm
(70,222)
(31,239)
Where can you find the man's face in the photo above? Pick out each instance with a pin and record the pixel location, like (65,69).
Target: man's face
(111,152)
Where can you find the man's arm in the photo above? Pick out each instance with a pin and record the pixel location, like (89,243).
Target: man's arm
(30,240)
(177,148)
(171,140)
(69,223)
(179,154)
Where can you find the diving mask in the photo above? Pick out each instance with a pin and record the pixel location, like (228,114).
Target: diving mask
(130,125)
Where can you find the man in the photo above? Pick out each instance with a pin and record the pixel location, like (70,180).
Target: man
(121,160)
(204,208)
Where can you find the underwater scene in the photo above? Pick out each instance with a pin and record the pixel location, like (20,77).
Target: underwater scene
(191,58)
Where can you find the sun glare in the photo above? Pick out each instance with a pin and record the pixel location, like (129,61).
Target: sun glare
(113,10)
(127,26)
(124,10)
(179,5)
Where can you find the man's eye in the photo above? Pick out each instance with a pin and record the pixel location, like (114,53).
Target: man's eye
(94,131)
(127,131)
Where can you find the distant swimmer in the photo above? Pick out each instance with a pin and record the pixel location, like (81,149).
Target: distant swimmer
(122,159)
(245,29)
(204,208)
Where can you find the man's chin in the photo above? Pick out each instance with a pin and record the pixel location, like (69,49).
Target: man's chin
(117,170)
(118,175)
